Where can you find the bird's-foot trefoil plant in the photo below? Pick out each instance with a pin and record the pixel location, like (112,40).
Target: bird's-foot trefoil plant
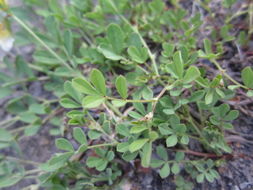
(137,82)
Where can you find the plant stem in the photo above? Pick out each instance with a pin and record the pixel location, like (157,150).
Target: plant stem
(158,97)
(190,120)
(52,114)
(86,36)
(223,72)
(28,172)
(250,18)
(201,154)
(18,129)
(50,101)
(31,177)
(135,29)
(195,127)
(24,25)
(130,101)
(235,15)
(196,138)
(100,128)
(26,80)
(102,145)
(8,121)
(115,109)
(22,161)
(181,161)
(201,116)
(143,69)
(45,101)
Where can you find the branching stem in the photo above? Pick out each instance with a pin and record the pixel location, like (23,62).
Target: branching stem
(102,145)
(130,101)
(24,25)
(22,161)
(223,72)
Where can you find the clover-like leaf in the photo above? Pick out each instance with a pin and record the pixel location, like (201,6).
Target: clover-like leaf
(178,65)
(92,101)
(200,178)
(79,135)
(207,46)
(109,53)
(98,80)
(71,91)
(64,144)
(146,155)
(247,75)
(209,177)
(175,168)
(84,86)
(68,103)
(138,54)
(138,129)
(184,139)
(232,115)
(68,41)
(221,110)
(96,162)
(122,147)
(171,141)
(121,86)
(115,37)
(137,144)
(192,73)
(162,153)
(93,134)
(250,93)
(209,96)
(165,171)
(168,49)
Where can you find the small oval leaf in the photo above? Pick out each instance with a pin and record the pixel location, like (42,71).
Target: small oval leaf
(64,144)
(121,86)
(98,80)
(137,145)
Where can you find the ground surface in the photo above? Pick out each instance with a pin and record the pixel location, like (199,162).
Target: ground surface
(237,174)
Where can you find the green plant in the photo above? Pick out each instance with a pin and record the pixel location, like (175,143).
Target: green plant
(148,99)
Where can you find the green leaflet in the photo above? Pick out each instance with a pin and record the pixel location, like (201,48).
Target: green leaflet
(138,54)
(92,101)
(84,86)
(191,74)
(137,145)
(121,86)
(247,75)
(98,80)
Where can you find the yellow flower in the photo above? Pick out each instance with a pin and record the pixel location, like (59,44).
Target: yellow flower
(2,2)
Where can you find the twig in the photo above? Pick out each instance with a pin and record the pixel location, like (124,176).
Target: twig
(110,112)
(158,97)
(130,101)
(56,112)
(223,72)
(41,42)
(113,108)
(22,161)
(5,122)
(25,80)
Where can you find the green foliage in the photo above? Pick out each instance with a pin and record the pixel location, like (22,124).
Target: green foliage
(121,86)
(247,75)
(132,81)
